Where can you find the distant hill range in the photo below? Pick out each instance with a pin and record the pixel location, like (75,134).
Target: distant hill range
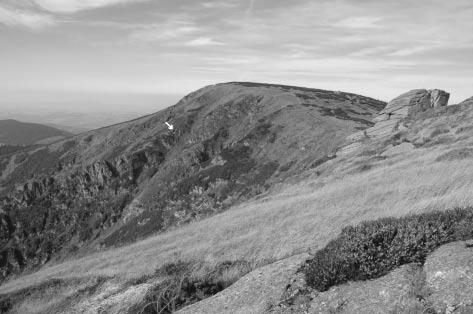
(13,132)
(68,128)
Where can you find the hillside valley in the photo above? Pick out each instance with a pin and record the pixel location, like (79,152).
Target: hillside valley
(225,212)
(18,133)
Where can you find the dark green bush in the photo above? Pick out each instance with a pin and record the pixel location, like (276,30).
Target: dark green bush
(373,248)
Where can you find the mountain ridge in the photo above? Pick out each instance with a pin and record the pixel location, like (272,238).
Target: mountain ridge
(119,183)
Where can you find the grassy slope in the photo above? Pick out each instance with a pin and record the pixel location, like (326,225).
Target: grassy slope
(285,125)
(304,216)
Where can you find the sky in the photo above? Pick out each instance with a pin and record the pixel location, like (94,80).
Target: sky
(102,53)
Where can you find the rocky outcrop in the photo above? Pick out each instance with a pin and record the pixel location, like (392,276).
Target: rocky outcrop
(393,117)
(47,212)
(414,101)
(438,98)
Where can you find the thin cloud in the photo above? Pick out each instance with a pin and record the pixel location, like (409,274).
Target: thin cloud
(172,29)
(324,43)
(204,41)
(360,22)
(72,6)
(220,5)
(251,7)
(26,19)
(409,51)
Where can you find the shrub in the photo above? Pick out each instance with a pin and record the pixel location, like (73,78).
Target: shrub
(372,249)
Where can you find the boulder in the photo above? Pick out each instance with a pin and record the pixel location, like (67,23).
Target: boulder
(391,119)
(416,100)
(438,98)
(403,105)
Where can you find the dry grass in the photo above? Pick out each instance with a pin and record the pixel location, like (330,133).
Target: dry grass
(298,218)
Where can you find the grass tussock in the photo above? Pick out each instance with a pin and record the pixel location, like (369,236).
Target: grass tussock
(50,296)
(374,248)
(180,285)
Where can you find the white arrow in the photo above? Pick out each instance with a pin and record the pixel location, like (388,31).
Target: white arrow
(170,126)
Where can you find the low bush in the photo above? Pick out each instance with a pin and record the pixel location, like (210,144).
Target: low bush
(373,248)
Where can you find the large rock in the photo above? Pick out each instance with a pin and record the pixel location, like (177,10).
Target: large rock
(414,101)
(403,105)
(392,118)
(438,98)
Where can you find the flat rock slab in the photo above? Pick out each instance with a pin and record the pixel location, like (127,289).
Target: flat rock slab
(393,293)
(398,149)
(383,128)
(349,148)
(438,98)
(449,278)
(254,293)
(413,101)
(403,103)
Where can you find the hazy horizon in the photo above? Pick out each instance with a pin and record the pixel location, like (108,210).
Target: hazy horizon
(83,111)
(122,53)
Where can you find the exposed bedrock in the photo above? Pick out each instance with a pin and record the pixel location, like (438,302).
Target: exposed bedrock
(414,101)
(392,118)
